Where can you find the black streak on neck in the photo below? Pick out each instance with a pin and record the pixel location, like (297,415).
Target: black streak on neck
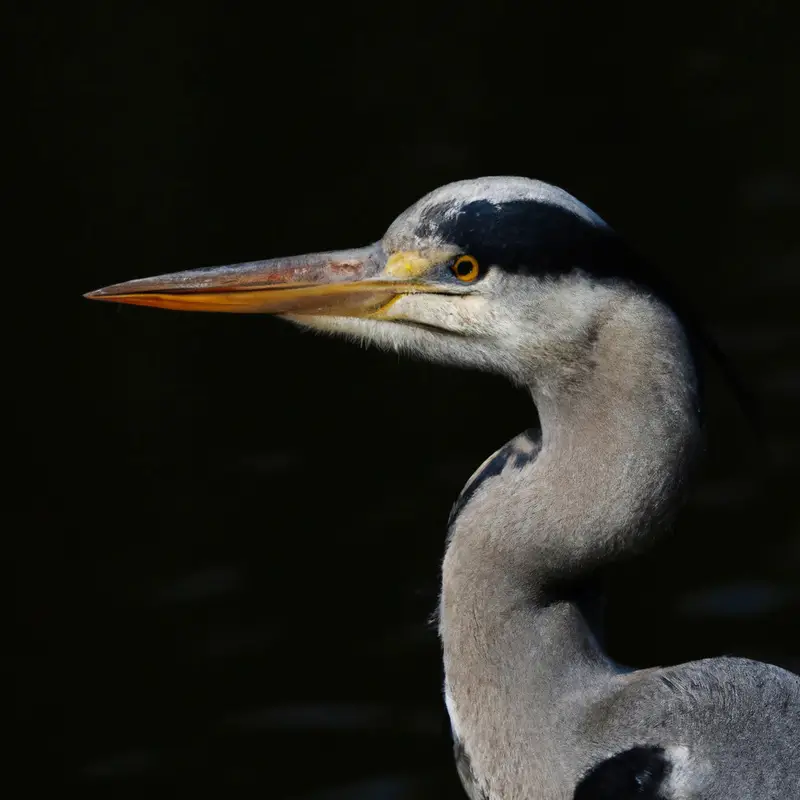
(510,454)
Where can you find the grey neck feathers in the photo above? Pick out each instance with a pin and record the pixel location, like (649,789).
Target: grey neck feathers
(618,434)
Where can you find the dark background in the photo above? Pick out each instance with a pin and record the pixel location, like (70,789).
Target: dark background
(225,533)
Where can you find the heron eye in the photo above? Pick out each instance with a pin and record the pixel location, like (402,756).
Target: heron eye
(466,268)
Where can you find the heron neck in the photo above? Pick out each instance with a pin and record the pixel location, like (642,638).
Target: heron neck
(618,435)
(616,449)
(616,444)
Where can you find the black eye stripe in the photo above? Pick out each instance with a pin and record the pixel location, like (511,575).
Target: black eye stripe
(518,236)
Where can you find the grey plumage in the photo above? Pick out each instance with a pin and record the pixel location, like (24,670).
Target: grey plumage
(559,306)
(534,701)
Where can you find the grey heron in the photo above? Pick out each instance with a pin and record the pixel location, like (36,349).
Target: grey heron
(518,277)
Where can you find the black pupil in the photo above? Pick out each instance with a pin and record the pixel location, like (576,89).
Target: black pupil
(464,267)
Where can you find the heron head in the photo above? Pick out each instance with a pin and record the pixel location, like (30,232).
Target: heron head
(502,274)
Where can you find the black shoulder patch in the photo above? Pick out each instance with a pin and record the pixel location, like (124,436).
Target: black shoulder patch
(635,774)
(465,772)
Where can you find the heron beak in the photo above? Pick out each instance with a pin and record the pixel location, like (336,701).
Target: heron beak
(355,283)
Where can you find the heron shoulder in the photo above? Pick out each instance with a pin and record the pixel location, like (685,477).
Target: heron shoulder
(728,723)
(638,773)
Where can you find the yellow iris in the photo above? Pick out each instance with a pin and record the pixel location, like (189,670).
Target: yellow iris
(466,268)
